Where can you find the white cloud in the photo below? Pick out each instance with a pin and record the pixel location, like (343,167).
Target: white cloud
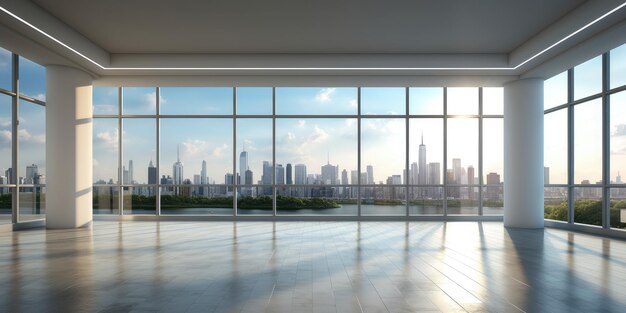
(5,122)
(105,109)
(40,96)
(219,150)
(26,136)
(353,103)
(193,147)
(301,123)
(324,94)
(5,136)
(109,138)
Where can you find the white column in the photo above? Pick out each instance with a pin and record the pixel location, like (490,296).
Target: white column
(523,154)
(68,147)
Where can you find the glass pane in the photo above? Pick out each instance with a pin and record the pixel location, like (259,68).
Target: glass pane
(32,135)
(320,200)
(493,101)
(588,78)
(426,101)
(106,200)
(32,79)
(462,101)
(383,101)
(426,151)
(139,200)
(32,203)
(139,150)
(555,203)
(255,200)
(618,137)
(139,101)
(319,101)
(191,155)
(105,150)
(378,135)
(555,147)
(462,151)
(321,149)
(588,206)
(493,149)
(254,101)
(6,70)
(254,156)
(383,200)
(588,142)
(197,200)
(462,200)
(6,202)
(6,137)
(618,66)
(426,201)
(105,100)
(555,91)
(493,197)
(618,208)
(196,101)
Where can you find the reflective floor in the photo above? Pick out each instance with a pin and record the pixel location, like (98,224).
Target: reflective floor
(310,267)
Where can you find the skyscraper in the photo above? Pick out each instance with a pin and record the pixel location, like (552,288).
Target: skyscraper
(243,162)
(370,175)
(329,174)
(152,174)
(493,188)
(280,174)
(457,170)
(344,177)
(177,169)
(130,172)
(300,174)
(289,177)
(470,181)
(203,173)
(434,173)
(423,170)
(266,177)
(31,173)
(413,174)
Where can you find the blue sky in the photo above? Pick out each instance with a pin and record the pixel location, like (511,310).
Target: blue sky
(298,140)
(31,116)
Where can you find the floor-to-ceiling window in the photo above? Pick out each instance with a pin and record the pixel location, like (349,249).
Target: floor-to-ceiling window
(585,142)
(343,151)
(22,145)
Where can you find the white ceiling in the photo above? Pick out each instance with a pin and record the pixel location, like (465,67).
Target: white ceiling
(309,26)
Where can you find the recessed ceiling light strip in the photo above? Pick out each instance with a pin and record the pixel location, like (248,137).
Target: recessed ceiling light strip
(315,68)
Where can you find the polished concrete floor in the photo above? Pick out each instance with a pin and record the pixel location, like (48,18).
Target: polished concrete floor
(310,267)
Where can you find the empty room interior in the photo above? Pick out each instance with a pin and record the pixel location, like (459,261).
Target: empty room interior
(313,156)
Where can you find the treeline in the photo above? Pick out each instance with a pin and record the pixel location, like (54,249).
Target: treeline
(141,202)
(586,212)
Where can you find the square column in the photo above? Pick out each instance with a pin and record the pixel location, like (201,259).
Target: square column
(68,147)
(523,154)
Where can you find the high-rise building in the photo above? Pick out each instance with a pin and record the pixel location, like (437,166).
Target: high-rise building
(177,169)
(470,181)
(414,174)
(354,177)
(434,173)
(493,186)
(280,174)
(249,178)
(370,176)
(344,177)
(300,174)
(289,177)
(546,175)
(131,179)
(203,174)
(457,171)
(243,162)
(31,172)
(152,174)
(329,174)
(423,169)
(618,179)
(9,175)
